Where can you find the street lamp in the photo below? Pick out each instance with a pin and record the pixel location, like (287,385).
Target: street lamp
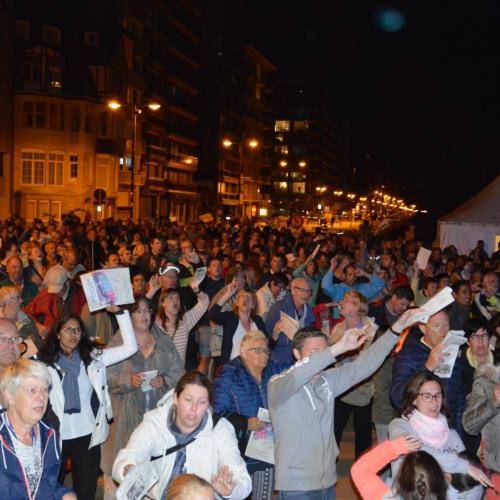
(115,105)
(227,143)
(321,190)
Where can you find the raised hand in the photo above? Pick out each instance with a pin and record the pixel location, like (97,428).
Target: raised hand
(412,444)
(223,482)
(352,339)
(408,318)
(436,357)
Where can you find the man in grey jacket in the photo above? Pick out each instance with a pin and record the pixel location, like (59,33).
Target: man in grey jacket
(301,405)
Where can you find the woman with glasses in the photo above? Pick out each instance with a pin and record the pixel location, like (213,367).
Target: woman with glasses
(239,392)
(79,394)
(424,416)
(138,383)
(10,308)
(30,449)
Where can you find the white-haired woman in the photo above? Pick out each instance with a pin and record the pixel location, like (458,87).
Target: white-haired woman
(30,449)
(239,392)
(10,308)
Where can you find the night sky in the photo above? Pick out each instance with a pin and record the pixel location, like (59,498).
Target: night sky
(418,81)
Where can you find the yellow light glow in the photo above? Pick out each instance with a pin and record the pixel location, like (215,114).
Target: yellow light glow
(263,212)
(189,161)
(283,163)
(227,143)
(114,104)
(302,164)
(253,143)
(154,106)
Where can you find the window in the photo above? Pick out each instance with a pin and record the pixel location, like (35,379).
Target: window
(74,125)
(23,30)
(32,167)
(281,186)
(73,166)
(299,125)
(281,149)
(103,124)
(299,187)
(55,169)
(40,110)
(54,74)
(28,114)
(90,39)
(53,116)
(31,69)
(282,126)
(51,35)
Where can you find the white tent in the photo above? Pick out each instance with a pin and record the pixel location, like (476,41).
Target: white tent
(477,219)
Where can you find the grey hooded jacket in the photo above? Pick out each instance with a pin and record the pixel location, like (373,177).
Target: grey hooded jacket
(302,414)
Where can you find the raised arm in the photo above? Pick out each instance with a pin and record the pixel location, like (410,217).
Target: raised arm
(129,347)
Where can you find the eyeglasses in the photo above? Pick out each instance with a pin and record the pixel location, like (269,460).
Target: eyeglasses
(484,336)
(70,329)
(303,290)
(428,397)
(11,340)
(259,350)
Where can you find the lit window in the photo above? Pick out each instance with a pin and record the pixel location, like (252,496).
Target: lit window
(55,169)
(299,187)
(282,126)
(73,166)
(281,149)
(54,75)
(299,125)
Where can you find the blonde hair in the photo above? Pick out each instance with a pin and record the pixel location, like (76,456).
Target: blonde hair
(361,300)
(183,486)
(250,294)
(8,290)
(16,373)
(252,336)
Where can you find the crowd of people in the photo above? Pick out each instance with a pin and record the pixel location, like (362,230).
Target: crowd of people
(288,335)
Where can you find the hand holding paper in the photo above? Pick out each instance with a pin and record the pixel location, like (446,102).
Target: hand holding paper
(423,258)
(199,276)
(289,325)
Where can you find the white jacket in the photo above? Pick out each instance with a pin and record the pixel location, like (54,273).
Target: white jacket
(212,448)
(96,372)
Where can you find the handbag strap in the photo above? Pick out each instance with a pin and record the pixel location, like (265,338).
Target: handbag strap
(177,447)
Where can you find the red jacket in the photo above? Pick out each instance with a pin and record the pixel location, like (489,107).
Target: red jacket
(43,308)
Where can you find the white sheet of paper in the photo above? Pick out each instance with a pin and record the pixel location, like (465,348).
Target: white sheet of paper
(438,302)
(107,286)
(453,340)
(289,325)
(139,480)
(423,257)
(199,276)
(146,380)
(261,443)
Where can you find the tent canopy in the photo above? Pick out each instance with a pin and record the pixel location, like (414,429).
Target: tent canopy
(476,219)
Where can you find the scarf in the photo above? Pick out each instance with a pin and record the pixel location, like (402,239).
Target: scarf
(432,431)
(71,367)
(180,438)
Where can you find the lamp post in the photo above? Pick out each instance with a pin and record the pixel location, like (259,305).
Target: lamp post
(136,109)
(321,190)
(228,143)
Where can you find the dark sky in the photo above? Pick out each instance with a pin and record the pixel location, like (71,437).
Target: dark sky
(424,100)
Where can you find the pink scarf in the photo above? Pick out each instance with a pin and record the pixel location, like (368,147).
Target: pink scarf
(432,431)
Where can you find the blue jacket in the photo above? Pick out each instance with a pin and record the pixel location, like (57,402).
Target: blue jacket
(283,352)
(336,289)
(229,321)
(410,360)
(238,396)
(12,482)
